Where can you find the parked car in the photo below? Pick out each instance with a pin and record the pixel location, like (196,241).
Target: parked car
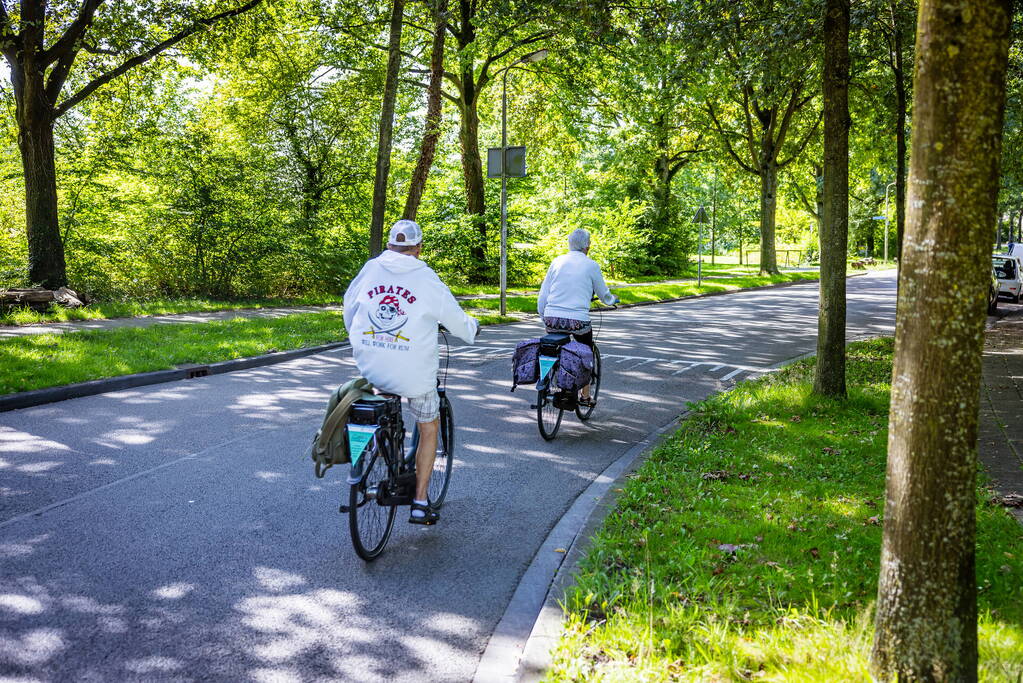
(992,293)
(1009,270)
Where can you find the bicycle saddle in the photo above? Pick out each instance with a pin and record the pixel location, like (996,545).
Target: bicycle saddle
(555,339)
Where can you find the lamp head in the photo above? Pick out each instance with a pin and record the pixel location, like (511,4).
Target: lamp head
(533,56)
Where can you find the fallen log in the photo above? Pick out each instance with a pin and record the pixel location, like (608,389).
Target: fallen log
(40,299)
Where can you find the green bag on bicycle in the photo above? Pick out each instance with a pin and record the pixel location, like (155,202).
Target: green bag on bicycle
(328,448)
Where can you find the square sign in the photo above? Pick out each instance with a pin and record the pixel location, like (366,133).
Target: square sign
(515,162)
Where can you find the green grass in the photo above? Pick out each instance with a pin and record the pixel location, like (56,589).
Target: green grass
(40,361)
(747,546)
(48,360)
(474,290)
(127,309)
(651,293)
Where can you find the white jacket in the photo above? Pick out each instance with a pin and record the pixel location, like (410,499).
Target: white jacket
(571,282)
(392,309)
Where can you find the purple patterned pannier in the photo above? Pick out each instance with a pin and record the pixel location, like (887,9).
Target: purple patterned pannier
(525,362)
(575,366)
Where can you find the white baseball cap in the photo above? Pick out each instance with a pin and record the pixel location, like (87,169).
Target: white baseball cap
(405,233)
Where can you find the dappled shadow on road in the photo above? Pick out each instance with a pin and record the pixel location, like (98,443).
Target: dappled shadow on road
(54,452)
(277,625)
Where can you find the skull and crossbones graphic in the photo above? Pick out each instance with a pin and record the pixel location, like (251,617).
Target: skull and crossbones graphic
(388,316)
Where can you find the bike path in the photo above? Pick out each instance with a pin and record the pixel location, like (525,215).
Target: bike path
(199,317)
(176,532)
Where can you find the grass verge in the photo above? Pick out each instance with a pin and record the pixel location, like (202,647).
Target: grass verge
(746,546)
(49,360)
(128,309)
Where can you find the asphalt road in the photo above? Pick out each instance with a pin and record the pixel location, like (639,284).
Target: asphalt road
(176,532)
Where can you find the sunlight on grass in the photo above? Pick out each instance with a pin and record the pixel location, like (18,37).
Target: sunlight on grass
(47,360)
(127,309)
(747,545)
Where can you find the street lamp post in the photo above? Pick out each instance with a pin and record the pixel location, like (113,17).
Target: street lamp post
(886,229)
(701,219)
(525,59)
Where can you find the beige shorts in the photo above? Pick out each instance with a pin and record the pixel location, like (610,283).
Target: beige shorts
(425,408)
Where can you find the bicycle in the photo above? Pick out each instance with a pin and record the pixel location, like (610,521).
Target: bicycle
(551,400)
(376,430)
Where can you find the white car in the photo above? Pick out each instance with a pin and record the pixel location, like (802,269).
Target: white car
(1009,270)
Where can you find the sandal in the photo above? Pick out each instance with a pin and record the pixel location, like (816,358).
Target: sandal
(429,517)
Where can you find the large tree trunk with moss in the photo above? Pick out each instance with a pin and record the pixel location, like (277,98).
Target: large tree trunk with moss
(383,166)
(926,623)
(46,265)
(829,378)
(431,128)
(768,209)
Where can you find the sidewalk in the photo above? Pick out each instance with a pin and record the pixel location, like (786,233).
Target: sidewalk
(1000,433)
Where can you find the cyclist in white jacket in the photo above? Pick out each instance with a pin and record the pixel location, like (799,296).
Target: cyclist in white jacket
(392,309)
(564,301)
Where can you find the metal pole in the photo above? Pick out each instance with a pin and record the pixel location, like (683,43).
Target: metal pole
(504,193)
(699,259)
(714,216)
(888,187)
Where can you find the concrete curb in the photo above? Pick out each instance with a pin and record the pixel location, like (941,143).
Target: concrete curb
(27,399)
(518,647)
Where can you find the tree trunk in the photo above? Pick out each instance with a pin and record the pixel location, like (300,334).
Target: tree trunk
(472,170)
(383,167)
(768,204)
(926,623)
(431,128)
(819,177)
(829,377)
(900,135)
(46,265)
(661,195)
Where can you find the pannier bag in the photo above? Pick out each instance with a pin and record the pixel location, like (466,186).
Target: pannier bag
(365,418)
(330,445)
(526,363)
(575,366)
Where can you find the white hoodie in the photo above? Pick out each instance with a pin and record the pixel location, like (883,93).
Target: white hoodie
(571,281)
(392,309)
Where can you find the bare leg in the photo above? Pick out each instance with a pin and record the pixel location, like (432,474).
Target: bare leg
(426,453)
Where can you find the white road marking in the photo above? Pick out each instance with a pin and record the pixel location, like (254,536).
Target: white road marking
(489,353)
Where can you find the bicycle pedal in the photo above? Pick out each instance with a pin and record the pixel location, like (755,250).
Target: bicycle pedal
(533,406)
(343,509)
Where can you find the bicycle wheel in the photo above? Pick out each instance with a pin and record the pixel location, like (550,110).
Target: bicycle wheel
(442,464)
(548,417)
(370,523)
(584,413)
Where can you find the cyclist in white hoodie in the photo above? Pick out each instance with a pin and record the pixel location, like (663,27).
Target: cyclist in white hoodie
(564,300)
(392,309)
